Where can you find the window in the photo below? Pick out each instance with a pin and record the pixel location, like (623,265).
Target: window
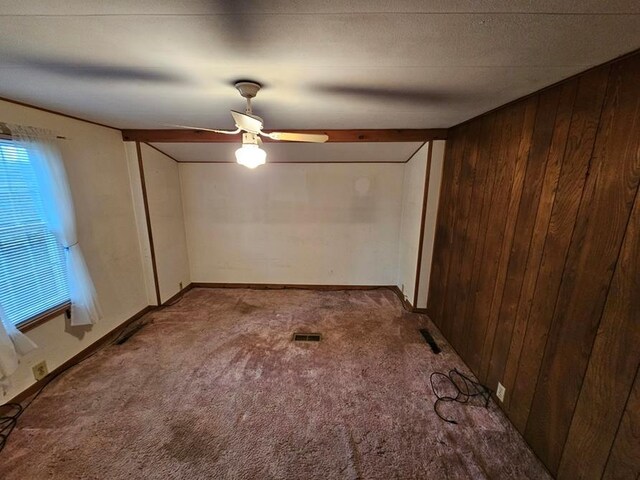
(33,276)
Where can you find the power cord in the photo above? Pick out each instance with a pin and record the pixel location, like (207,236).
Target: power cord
(465,388)
(9,420)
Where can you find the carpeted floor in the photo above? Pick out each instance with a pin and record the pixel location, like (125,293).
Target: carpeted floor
(215,388)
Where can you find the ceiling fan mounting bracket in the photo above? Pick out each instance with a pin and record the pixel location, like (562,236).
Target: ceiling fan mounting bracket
(251,139)
(248,89)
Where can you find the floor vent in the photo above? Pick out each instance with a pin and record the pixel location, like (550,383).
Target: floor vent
(130,332)
(429,339)
(306,337)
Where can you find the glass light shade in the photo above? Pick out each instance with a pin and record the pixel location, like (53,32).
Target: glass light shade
(251,156)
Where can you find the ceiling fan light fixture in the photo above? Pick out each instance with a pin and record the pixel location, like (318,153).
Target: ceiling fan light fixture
(251,126)
(251,156)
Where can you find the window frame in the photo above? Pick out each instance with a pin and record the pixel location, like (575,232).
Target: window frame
(44,317)
(49,314)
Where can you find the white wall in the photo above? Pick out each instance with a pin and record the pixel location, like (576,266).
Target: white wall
(334,224)
(409,237)
(96,165)
(167,221)
(435,179)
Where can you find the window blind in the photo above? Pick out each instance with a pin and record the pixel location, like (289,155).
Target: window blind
(32,269)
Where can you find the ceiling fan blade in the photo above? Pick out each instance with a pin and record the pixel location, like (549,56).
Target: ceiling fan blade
(407,95)
(226,132)
(298,137)
(96,71)
(248,123)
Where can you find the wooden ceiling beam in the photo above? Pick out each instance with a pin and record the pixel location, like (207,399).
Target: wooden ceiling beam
(342,136)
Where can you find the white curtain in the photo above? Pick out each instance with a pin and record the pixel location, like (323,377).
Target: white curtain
(13,344)
(60,217)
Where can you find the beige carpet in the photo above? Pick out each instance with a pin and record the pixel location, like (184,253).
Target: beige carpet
(215,388)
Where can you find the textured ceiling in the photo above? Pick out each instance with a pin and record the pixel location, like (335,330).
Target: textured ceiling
(324,64)
(295,152)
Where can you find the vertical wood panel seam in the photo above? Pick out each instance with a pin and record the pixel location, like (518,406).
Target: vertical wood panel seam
(488,226)
(485,362)
(516,224)
(544,246)
(454,198)
(566,258)
(624,409)
(474,154)
(595,337)
(482,235)
(544,243)
(527,166)
(508,117)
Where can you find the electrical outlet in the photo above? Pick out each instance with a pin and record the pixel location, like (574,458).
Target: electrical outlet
(40,370)
(500,392)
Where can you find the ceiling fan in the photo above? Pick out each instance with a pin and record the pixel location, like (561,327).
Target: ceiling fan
(250,154)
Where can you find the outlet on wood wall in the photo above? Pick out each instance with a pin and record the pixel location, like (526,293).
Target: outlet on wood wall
(536,269)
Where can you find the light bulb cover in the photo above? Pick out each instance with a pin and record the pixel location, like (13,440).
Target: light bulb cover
(251,156)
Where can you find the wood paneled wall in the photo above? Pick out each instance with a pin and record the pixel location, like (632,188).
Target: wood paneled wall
(536,270)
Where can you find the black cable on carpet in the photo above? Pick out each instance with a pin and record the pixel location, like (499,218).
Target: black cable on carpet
(465,388)
(8,421)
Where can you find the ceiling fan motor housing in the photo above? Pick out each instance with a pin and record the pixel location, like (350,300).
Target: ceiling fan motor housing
(251,125)
(248,89)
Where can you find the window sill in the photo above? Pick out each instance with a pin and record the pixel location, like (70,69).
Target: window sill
(43,317)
